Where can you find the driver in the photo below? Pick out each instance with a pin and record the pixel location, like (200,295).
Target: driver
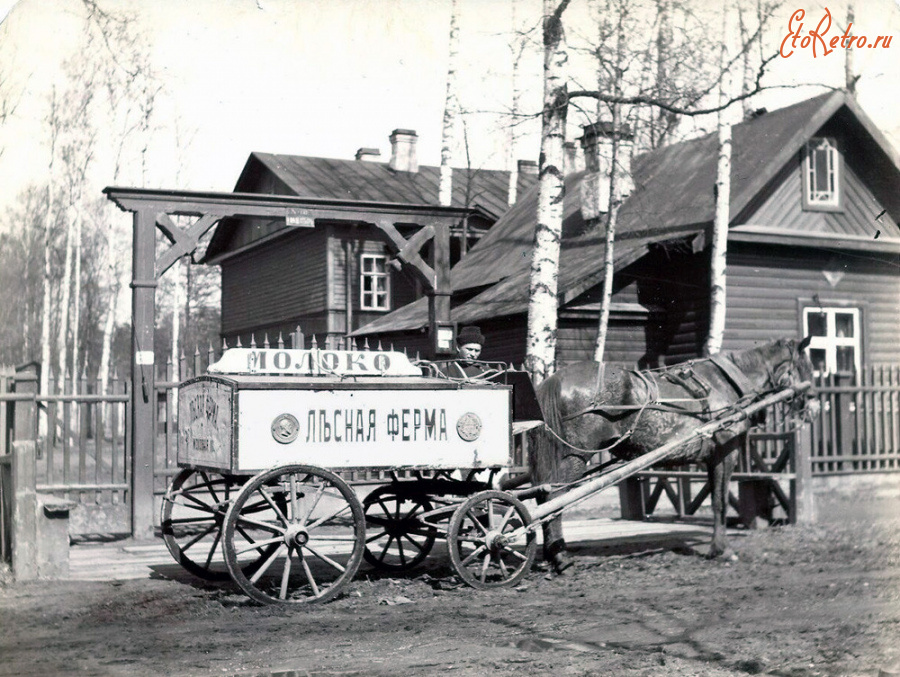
(469,343)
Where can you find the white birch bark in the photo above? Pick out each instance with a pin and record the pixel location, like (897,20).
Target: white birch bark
(512,149)
(76,310)
(451,112)
(612,213)
(543,284)
(719,248)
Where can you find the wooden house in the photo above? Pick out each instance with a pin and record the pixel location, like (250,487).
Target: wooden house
(327,268)
(813,248)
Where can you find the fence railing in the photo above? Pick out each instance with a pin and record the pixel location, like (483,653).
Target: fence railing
(858,426)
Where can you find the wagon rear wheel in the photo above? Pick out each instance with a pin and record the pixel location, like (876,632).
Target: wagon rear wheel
(397,539)
(313,521)
(489,547)
(193,512)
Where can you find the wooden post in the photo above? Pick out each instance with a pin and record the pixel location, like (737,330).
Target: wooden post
(803,503)
(143,391)
(439,297)
(631,499)
(24,477)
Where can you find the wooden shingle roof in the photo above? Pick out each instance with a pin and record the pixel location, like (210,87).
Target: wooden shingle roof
(484,189)
(673,197)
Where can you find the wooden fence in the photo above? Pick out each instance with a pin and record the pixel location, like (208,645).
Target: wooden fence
(858,427)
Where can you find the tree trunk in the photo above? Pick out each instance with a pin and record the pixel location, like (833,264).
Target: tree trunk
(542,308)
(47,297)
(512,159)
(76,312)
(451,113)
(612,211)
(65,298)
(719,248)
(849,79)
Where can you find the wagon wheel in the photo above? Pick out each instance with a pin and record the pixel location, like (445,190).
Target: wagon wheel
(193,512)
(489,547)
(315,524)
(398,539)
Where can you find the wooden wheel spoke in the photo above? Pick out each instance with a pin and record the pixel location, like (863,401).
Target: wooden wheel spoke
(486,563)
(265,565)
(503,568)
(258,545)
(206,532)
(516,553)
(505,520)
(418,546)
(285,576)
(198,504)
(375,537)
(309,576)
(208,485)
(472,555)
(268,499)
(315,504)
(474,519)
(265,526)
(212,549)
(386,547)
(188,520)
(326,518)
(325,558)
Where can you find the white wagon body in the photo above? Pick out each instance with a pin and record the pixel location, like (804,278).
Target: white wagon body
(346,410)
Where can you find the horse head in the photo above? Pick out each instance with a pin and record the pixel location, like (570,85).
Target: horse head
(793,369)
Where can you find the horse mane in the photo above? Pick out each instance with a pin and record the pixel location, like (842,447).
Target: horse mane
(759,359)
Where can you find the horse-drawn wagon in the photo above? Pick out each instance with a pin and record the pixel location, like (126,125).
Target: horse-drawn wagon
(271,441)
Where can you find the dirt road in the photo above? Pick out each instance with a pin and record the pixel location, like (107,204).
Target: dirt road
(798,602)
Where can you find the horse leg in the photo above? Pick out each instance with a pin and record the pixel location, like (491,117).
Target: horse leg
(570,469)
(719,471)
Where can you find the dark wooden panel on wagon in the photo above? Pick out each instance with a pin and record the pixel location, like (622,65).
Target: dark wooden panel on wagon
(767,285)
(278,281)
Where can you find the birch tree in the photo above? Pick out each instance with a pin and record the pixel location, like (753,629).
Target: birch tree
(451,112)
(615,192)
(540,343)
(719,247)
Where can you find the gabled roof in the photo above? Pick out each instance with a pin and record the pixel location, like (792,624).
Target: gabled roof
(484,189)
(673,197)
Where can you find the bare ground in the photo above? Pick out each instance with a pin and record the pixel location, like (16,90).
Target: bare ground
(798,602)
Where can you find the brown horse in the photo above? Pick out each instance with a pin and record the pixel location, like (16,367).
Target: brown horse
(631,413)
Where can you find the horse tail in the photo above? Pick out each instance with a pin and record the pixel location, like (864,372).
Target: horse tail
(545,451)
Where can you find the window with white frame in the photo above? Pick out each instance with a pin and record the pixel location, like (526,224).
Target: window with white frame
(822,164)
(374,282)
(835,343)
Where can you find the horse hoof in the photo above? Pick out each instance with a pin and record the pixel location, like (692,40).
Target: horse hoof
(562,561)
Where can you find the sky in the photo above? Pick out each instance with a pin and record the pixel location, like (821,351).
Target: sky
(326,77)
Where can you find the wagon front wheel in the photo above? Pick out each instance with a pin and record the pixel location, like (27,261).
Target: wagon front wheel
(314,522)
(489,545)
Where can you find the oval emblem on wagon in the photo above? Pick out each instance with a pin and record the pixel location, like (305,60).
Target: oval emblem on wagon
(285,428)
(468,427)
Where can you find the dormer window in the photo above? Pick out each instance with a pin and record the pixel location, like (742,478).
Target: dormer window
(822,175)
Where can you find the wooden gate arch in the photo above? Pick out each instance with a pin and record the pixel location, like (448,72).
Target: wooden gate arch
(153,210)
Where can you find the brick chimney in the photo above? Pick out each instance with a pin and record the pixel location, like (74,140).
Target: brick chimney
(597,143)
(403,151)
(368,154)
(528,167)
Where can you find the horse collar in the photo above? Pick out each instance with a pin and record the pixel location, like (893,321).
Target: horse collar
(733,374)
